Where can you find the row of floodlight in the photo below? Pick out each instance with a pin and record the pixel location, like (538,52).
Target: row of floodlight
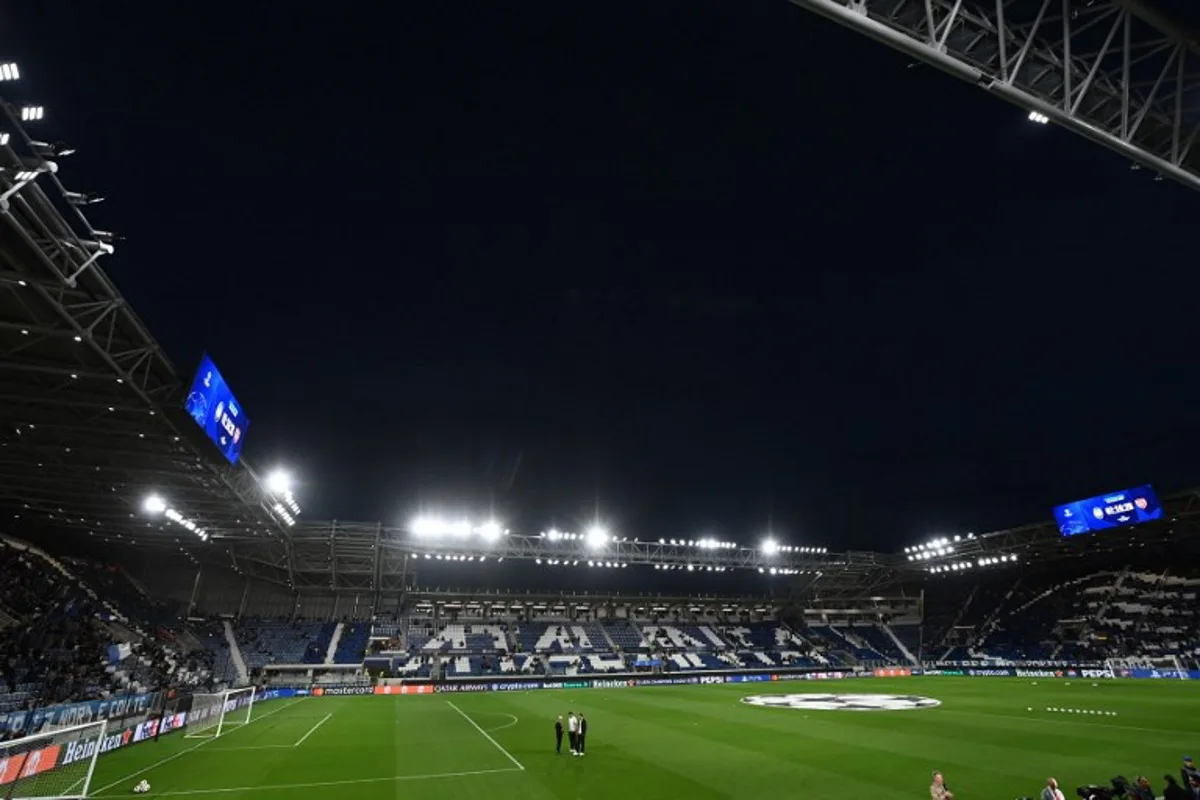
(691,567)
(703,544)
(779,571)
(155,504)
(574,562)
(940,546)
(9,71)
(454,557)
(427,527)
(960,566)
(770,547)
(278,484)
(596,537)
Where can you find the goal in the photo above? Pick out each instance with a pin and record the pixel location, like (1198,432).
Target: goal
(1165,666)
(57,763)
(214,714)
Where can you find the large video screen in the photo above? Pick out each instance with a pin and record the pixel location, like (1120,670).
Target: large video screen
(1112,510)
(217,411)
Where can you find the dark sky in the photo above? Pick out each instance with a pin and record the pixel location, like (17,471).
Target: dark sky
(710,260)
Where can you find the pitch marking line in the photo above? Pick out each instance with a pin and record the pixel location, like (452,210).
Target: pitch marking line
(313,729)
(487,736)
(513,717)
(185,751)
(320,784)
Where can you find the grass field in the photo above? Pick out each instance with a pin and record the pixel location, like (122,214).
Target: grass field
(694,742)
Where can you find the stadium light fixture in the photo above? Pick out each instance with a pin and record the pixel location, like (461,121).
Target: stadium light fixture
(156,504)
(489,531)
(32,113)
(4,137)
(597,537)
(9,71)
(1038,117)
(770,547)
(278,482)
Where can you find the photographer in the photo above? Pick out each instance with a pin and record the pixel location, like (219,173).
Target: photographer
(938,790)
(1052,792)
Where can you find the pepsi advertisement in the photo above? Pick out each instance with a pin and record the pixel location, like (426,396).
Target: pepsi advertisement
(1113,510)
(213,406)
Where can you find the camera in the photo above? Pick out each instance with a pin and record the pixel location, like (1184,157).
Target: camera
(1120,788)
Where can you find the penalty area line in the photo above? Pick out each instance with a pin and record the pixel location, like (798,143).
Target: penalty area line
(321,784)
(313,729)
(184,752)
(487,736)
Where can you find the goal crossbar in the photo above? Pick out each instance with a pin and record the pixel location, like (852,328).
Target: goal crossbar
(53,764)
(212,715)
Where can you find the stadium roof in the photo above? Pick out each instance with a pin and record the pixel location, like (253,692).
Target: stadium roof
(90,407)
(91,423)
(1121,73)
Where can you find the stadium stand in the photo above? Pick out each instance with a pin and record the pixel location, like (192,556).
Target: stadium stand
(353,644)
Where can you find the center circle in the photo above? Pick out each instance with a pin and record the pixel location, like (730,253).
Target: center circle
(842,702)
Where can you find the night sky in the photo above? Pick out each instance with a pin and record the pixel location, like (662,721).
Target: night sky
(706,262)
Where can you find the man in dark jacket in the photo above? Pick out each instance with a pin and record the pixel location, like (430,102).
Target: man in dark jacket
(1173,790)
(558,735)
(582,733)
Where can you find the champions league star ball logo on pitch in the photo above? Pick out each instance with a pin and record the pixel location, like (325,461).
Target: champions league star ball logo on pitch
(843,702)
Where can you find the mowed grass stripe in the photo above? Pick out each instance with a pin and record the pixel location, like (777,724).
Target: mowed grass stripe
(700,742)
(990,748)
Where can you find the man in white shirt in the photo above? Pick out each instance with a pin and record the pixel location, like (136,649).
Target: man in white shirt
(573,732)
(1052,792)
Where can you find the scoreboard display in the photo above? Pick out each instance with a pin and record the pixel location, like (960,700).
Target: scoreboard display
(1112,510)
(217,411)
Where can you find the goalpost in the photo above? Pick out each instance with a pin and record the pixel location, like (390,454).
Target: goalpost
(57,763)
(1170,665)
(214,714)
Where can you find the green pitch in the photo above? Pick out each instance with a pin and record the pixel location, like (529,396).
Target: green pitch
(692,743)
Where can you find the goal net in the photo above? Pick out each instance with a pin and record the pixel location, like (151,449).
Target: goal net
(1165,666)
(57,763)
(214,714)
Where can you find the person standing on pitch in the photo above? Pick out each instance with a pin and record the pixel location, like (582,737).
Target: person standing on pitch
(938,789)
(582,734)
(573,732)
(558,735)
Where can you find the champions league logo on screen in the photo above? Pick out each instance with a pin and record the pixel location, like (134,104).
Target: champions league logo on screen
(1114,510)
(212,405)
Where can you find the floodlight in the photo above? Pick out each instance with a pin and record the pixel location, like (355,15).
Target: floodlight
(490,531)
(279,482)
(4,137)
(1038,117)
(770,547)
(597,536)
(426,526)
(154,504)
(9,72)
(32,113)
